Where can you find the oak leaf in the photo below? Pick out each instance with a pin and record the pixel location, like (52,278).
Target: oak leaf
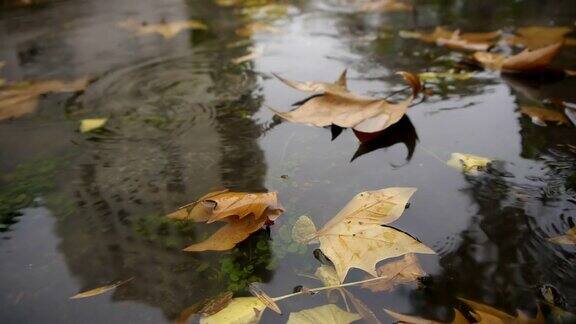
(337,106)
(18,99)
(357,238)
(326,314)
(405,270)
(167,30)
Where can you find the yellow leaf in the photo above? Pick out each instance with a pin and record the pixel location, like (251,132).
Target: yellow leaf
(304,230)
(468,163)
(88,125)
(355,237)
(542,115)
(326,314)
(327,274)
(167,30)
(568,238)
(18,99)
(205,308)
(241,310)
(339,107)
(405,270)
(99,290)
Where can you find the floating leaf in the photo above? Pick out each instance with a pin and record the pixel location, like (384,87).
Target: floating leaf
(385,6)
(206,308)
(241,310)
(454,39)
(253,53)
(338,86)
(88,125)
(345,109)
(304,230)
(327,274)
(535,37)
(256,27)
(526,61)
(22,98)
(568,238)
(450,75)
(257,292)
(167,30)
(468,163)
(458,318)
(326,314)
(405,270)
(355,237)
(540,116)
(99,290)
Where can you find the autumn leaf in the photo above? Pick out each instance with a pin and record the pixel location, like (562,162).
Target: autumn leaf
(167,30)
(326,314)
(454,39)
(206,308)
(243,212)
(468,163)
(18,99)
(363,310)
(99,290)
(256,27)
(526,61)
(385,6)
(405,270)
(241,310)
(356,237)
(568,238)
(535,37)
(338,86)
(88,125)
(401,318)
(540,116)
(339,107)
(253,53)
(257,292)
(488,314)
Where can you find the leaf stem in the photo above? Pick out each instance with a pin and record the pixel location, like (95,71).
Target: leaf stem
(326,288)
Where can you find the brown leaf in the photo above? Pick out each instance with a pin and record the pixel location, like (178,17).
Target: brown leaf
(568,238)
(99,290)
(22,98)
(226,237)
(455,39)
(458,318)
(542,115)
(535,37)
(405,270)
(526,61)
(206,307)
(345,109)
(167,30)
(488,314)
(385,6)
(338,86)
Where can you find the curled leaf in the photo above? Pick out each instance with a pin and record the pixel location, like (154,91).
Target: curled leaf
(526,61)
(257,292)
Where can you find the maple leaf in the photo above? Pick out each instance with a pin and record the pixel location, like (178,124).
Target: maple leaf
(243,212)
(337,106)
(356,237)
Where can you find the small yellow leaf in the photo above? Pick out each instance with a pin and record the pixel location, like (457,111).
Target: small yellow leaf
(569,238)
(99,290)
(326,314)
(468,163)
(88,125)
(241,310)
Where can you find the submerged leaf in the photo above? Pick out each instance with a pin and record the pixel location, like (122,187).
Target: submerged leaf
(22,98)
(405,270)
(540,116)
(568,238)
(339,107)
(241,310)
(326,314)
(167,30)
(304,230)
(88,125)
(355,237)
(468,163)
(99,290)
